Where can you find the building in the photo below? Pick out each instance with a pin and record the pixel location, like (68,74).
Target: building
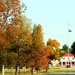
(68,60)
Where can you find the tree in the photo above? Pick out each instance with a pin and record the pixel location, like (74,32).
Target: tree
(73,48)
(37,45)
(13,46)
(65,48)
(38,42)
(44,56)
(54,48)
(52,54)
(25,36)
(10,19)
(62,52)
(12,40)
(3,53)
(10,12)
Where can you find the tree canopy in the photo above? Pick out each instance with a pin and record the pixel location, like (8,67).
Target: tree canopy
(54,48)
(20,43)
(73,48)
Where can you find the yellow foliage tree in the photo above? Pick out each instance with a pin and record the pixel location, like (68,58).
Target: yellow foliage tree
(54,48)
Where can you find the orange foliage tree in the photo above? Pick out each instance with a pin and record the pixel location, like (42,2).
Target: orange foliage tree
(44,61)
(3,53)
(26,40)
(18,43)
(10,17)
(10,12)
(12,44)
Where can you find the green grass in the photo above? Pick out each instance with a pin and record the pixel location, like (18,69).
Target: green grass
(54,70)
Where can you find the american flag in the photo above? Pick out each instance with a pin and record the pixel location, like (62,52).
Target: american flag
(69,30)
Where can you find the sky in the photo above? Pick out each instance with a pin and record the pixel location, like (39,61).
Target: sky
(55,17)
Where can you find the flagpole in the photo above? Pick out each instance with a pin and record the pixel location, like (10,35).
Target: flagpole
(68,40)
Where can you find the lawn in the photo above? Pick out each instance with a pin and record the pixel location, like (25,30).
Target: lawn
(54,70)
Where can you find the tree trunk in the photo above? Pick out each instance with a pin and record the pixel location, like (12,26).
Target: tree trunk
(24,69)
(32,71)
(46,68)
(2,69)
(16,72)
(37,71)
(18,69)
(12,70)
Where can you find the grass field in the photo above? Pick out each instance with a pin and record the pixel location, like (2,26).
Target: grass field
(54,70)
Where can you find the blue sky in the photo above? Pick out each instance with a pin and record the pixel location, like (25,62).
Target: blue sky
(54,16)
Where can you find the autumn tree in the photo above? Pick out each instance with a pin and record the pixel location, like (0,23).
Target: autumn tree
(54,48)
(26,40)
(37,45)
(3,53)
(10,12)
(10,19)
(18,43)
(2,11)
(38,41)
(44,56)
(12,42)
(61,52)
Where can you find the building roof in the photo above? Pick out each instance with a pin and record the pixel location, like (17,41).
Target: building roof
(69,54)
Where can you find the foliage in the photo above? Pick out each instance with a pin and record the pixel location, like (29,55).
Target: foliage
(3,53)
(54,49)
(37,35)
(37,45)
(20,44)
(10,19)
(25,40)
(12,44)
(43,61)
(11,59)
(73,48)
(65,48)
(10,12)
(62,52)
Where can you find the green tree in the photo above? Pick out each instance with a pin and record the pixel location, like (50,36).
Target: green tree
(73,48)
(65,48)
